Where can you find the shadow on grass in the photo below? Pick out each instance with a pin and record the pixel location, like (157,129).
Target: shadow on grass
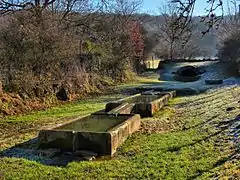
(227,124)
(219,163)
(233,156)
(202,99)
(202,123)
(178,148)
(51,157)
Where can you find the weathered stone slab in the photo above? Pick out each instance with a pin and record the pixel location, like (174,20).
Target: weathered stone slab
(214,81)
(103,141)
(125,108)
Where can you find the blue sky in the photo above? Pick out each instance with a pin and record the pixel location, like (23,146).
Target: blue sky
(152,6)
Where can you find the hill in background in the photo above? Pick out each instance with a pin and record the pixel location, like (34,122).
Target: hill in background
(207,43)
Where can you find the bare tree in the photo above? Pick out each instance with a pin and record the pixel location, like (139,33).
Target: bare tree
(174,29)
(186,8)
(231,22)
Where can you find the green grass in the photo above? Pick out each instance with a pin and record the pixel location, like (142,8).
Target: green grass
(164,156)
(148,78)
(79,108)
(62,111)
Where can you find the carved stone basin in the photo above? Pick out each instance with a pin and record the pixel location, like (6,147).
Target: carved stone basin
(101,134)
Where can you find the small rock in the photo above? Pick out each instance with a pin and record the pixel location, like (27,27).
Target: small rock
(89,158)
(214,81)
(86,155)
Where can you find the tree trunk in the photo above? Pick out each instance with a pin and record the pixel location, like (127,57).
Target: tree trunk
(1,89)
(171,51)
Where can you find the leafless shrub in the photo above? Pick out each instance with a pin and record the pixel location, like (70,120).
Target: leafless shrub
(229,37)
(38,50)
(50,44)
(175,33)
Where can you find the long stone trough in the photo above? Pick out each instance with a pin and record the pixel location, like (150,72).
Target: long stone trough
(101,134)
(145,104)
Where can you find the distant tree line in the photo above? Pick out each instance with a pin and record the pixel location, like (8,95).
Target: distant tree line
(176,34)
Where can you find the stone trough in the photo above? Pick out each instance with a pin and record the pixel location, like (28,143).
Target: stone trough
(145,104)
(101,134)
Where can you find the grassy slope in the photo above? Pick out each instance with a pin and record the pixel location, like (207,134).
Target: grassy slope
(180,142)
(17,129)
